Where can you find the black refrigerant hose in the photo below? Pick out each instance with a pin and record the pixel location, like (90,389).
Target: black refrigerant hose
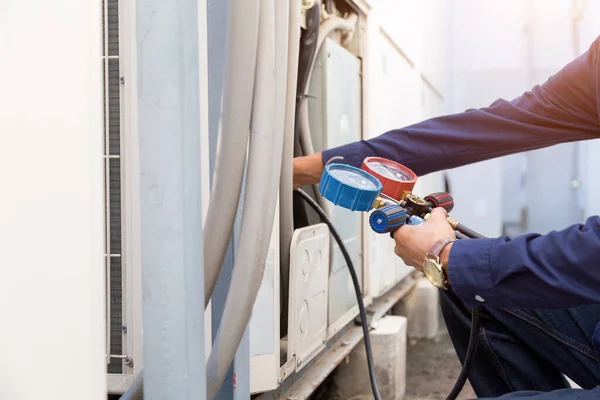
(361,307)
(473,342)
(464,233)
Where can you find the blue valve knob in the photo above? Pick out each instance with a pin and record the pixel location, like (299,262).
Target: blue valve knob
(387,219)
(349,187)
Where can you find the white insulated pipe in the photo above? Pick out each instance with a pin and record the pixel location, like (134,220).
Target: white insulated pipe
(238,88)
(286,183)
(264,166)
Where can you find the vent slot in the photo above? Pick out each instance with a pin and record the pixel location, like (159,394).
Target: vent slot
(113,173)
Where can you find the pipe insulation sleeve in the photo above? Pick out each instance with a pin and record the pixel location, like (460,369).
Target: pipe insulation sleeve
(286,183)
(236,111)
(136,390)
(264,166)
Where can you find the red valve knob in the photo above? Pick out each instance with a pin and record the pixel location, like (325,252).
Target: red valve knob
(441,199)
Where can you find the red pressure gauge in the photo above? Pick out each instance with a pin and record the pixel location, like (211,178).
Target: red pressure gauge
(398,181)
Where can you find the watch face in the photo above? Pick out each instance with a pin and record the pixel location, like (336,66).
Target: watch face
(433,273)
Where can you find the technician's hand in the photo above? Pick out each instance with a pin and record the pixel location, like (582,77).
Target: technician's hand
(413,242)
(307,170)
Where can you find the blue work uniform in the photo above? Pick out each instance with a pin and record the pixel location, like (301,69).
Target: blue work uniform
(559,270)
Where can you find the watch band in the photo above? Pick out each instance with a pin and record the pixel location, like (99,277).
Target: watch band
(438,246)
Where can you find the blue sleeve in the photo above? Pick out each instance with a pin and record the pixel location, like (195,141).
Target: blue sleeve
(557,270)
(562,109)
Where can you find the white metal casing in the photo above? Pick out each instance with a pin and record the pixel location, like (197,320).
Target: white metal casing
(131,289)
(335,119)
(264,325)
(403,84)
(394,93)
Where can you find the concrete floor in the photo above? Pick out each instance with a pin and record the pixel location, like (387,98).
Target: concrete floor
(432,368)
(431,371)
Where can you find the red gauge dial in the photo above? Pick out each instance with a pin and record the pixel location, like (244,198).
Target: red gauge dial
(398,181)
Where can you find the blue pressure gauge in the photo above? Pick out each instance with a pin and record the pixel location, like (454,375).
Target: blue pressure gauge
(349,187)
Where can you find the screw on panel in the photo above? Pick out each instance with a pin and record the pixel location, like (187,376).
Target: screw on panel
(122,80)
(124,328)
(129,361)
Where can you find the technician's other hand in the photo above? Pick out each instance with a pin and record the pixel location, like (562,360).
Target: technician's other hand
(307,170)
(413,242)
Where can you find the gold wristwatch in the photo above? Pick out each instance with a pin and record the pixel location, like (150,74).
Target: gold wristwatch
(432,267)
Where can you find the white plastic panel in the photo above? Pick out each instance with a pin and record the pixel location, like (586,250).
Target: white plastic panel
(309,272)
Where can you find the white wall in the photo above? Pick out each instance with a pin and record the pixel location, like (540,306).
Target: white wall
(488,54)
(499,49)
(51,210)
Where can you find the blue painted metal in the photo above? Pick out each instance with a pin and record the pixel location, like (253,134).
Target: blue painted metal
(349,187)
(170,199)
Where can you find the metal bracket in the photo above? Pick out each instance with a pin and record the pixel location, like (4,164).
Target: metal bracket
(287,369)
(127,358)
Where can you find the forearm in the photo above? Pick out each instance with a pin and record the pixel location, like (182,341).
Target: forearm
(307,170)
(557,270)
(562,109)
(459,139)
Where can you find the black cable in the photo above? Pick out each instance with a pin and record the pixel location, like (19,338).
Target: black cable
(473,342)
(447,187)
(361,306)
(467,233)
(463,233)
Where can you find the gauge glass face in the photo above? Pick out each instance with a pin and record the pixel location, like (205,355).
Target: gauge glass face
(352,178)
(389,170)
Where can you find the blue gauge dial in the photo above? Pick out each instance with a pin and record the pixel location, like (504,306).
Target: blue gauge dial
(349,187)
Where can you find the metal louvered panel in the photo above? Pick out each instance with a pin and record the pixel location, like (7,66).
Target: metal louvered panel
(112,154)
